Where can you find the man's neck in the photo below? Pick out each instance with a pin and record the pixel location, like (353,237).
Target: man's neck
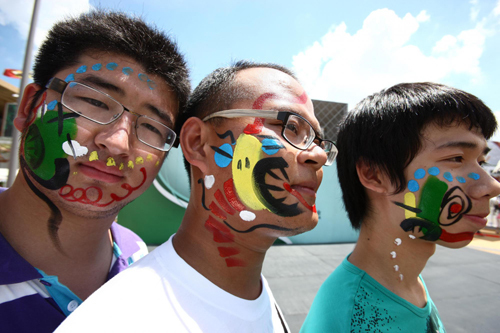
(396,267)
(234,266)
(84,250)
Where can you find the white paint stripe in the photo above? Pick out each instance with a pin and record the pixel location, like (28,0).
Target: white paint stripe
(10,292)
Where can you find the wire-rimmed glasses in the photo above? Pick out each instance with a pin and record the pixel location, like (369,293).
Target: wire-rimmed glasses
(103,109)
(296,130)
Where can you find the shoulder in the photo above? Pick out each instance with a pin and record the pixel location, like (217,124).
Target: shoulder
(333,305)
(131,246)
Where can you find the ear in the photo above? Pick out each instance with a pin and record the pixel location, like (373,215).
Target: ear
(372,177)
(192,139)
(25,114)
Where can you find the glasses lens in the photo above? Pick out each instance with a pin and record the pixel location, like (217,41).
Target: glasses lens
(90,103)
(154,133)
(298,132)
(330,150)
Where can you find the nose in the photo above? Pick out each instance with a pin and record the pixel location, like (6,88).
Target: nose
(314,155)
(115,137)
(484,187)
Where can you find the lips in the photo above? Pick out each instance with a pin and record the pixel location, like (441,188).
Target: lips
(478,219)
(100,171)
(306,189)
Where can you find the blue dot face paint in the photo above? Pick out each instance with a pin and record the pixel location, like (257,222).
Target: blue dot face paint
(151,84)
(460,179)
(81,69)
(225,156)
(413,186)
(72,84)
(419,174)
(70,77)
(96,67)
(112,66)
(127,70)
(448,176)
(473,175)
(143,77)
(271,146)
(434,171)
(52,105)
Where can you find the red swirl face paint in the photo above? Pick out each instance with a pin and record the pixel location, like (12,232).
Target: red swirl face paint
(67,192)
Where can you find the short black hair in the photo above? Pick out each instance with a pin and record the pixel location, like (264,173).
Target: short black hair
(105,31)
(219,91)
(384,130)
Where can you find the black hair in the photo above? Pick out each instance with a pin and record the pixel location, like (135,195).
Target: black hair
(384,130)
(103,31)
(219,91)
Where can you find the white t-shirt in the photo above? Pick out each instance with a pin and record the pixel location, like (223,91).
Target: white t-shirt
(162,293)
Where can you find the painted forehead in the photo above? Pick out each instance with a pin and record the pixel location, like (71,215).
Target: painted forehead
(113,67)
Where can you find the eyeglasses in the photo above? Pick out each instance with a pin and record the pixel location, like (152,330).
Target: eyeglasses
(296,130)
(103,109)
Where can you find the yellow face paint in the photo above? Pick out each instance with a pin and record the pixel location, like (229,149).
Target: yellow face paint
(410,201)
(110,162)
(157,163)
(74,172)
(93,156)
(121,166)
(149,158)
(246,154)
(139,160)
(130,164)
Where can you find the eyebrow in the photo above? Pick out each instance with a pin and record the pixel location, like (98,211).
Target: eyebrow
(102,83)
(463,144)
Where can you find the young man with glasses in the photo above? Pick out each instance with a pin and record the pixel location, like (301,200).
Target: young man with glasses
(96,126)
(410,171)
(255,155)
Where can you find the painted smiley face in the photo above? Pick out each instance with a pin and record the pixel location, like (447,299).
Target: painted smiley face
(439,205)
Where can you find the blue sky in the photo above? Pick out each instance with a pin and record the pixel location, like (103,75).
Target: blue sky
(341,50)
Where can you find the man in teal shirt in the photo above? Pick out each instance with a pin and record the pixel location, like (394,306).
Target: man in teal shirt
(409,166)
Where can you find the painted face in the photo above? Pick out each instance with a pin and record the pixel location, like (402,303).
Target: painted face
(447,195)
(88,168)
(259,184)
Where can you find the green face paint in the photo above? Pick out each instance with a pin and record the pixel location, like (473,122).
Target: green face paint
(43,144)
(430,199)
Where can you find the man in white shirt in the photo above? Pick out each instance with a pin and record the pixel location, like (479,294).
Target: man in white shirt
(255,157)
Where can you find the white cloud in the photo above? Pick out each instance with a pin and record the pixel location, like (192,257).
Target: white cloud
(18,14)
(346,67)
(496,11)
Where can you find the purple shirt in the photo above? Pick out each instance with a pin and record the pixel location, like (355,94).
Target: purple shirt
(26,305)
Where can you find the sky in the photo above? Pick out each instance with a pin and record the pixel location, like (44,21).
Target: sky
(342,51)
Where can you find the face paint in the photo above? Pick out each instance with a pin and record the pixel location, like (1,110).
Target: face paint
(127,71)
(74,148)
(393,254)
(112,66)
(139,160)
(43,145)
(93,156)
(110,162)
(130,164)
(71,194)
(397,241)
(439,206)
(223,155)
(209,181)
(96,67)
(81,69)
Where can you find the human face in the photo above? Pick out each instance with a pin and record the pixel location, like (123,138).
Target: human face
(447,195)
(260,184)
(92,169)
